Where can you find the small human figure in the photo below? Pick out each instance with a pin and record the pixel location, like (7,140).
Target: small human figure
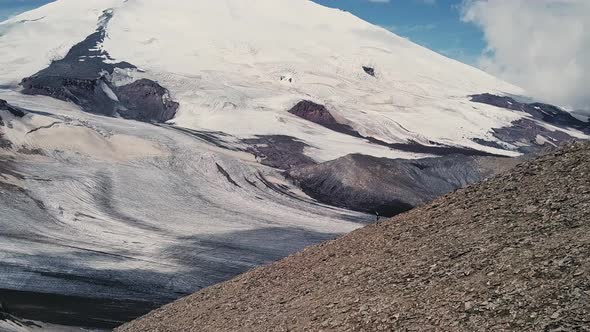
(377,214)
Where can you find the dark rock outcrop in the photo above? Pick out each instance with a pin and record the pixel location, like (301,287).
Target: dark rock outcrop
(83,77)
(88,93)
(279,151)
(544,112)
(509,254)
(15,111)
(146,100)
(319,114)
(80,77)
(528,134)
(392,186)
(369,70)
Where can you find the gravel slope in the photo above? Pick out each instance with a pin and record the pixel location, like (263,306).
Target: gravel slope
(509,254)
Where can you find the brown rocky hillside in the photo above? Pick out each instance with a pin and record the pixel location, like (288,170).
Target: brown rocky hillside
(509,254)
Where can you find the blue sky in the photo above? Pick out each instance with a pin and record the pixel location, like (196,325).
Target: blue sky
(435,24)
(12,7)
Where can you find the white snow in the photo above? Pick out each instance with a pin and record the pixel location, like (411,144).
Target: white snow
(114,188)
(243,60)
(30,41)
(223,62)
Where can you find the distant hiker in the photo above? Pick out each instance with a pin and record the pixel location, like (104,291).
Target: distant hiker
(377,214)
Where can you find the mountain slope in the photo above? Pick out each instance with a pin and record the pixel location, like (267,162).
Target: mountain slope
(388,187)
(238,67)
(148,150)
(511,253)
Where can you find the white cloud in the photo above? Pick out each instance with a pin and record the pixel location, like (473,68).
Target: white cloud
(541,45)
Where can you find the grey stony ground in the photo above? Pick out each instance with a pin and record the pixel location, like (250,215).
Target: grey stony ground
(509,254)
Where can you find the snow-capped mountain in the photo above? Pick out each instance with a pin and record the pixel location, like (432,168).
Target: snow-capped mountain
(150,148)
(237,66)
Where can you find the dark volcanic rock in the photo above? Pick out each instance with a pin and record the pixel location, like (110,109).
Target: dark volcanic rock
(391,186)
(146,100)
(319,114)
(16,111)
(369,70)
(544,112)
(508,254)
(83,77)
(279,151)
(80,76)
(90,93)
(528,135)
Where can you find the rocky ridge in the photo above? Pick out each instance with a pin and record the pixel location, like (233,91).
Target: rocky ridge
(387,187)
(511,253)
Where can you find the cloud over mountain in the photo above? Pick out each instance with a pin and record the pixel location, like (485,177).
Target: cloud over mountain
(543,46)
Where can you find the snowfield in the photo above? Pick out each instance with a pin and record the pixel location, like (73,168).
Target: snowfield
(107,208)
(244,65)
